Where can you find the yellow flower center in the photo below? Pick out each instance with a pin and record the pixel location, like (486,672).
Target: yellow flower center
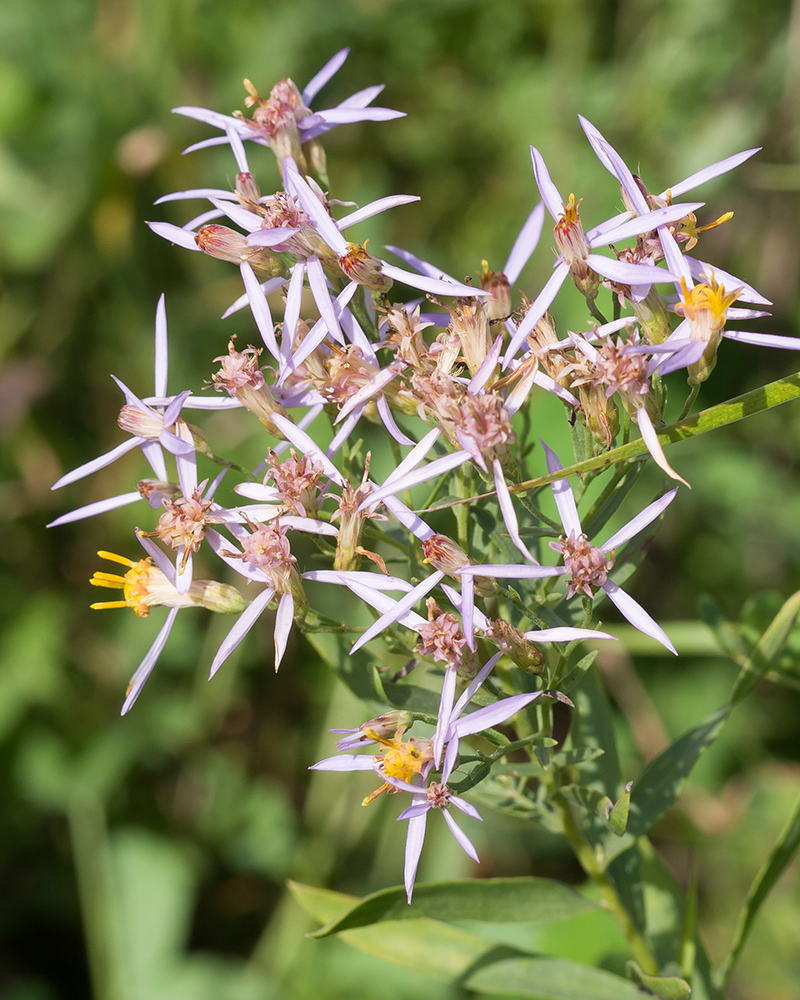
(398,759)
(709,298)
(136,585)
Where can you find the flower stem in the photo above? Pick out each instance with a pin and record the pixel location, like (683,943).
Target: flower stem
(593,868)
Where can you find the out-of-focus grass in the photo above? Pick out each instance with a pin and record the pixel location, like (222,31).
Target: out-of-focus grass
(177,825)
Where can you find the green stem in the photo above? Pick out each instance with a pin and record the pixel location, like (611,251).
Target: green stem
(592,867)
(689,401)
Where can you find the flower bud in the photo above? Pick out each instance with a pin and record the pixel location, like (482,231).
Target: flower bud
(447,556)
(226,244)
(469,320)
(513,642)
(359,265)
(496,283)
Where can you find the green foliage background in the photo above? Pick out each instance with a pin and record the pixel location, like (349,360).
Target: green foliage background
(146,857)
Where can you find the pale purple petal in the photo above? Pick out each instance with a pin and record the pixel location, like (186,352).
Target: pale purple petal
(468,609)
(241,627)
(283,625)
(414,840)
(344,762)
(307,445)
(636,615)
(155,458)
(638,523)
(344,116)
(701,271)
(160,386)
(465,807)
(549,192)
(398,611)
(318,81)
(605,227)
(421,265)
(437,467)
(650,438)
(145,668)
(175,234)
(209,117)
(525,244)
(260,309)
(564,497)
(314,209)
(291,313)
(461,837)
(473,686)
(376,581)
(673,255)
(266,287)
(565,634)
(511,572)
(249,221)
(98,507)
(375,208)
(416,455)
(614,163)
(539,307)
(158,557)
(271,237)
(628,274)
(196,193)
(645,223)
(362,98)
(385,605)
(183,579)
(372,388)
(434,285)
(413,522)
(763,339)
(445,712)
(507,509)
(238,149)
(493,715)
(97,463)
(487,366)
(174,408)
(391,425)
(481,621)
(343,434)
(319,289)
(707,173)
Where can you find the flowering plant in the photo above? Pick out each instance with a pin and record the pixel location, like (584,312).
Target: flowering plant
(443,380)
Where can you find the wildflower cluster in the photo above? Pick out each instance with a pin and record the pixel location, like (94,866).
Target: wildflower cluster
(448,376)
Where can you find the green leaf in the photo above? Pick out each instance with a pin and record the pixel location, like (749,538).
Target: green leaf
(767,649)
(432,948)
(782,853)
(545,978)
(539,900)
(574,674)
(663,778)
(618,816)
(665,987)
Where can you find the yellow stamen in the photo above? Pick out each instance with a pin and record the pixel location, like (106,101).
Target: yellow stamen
(136,584)
(571,213)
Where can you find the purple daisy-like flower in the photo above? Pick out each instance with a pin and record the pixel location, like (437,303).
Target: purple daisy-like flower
(587,565)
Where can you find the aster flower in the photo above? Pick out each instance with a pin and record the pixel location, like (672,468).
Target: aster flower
(150,582)
(588,566)
(577,251)
(150,427)
(289,107)
(639,201)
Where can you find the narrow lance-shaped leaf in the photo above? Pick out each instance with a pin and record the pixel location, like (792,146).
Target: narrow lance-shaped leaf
(537,900)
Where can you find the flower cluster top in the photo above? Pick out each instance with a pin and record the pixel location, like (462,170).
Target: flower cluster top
(449,375)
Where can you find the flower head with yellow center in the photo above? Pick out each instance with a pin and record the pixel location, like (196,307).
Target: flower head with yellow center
(400,759)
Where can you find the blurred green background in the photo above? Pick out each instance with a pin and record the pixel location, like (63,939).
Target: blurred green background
(146,857)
